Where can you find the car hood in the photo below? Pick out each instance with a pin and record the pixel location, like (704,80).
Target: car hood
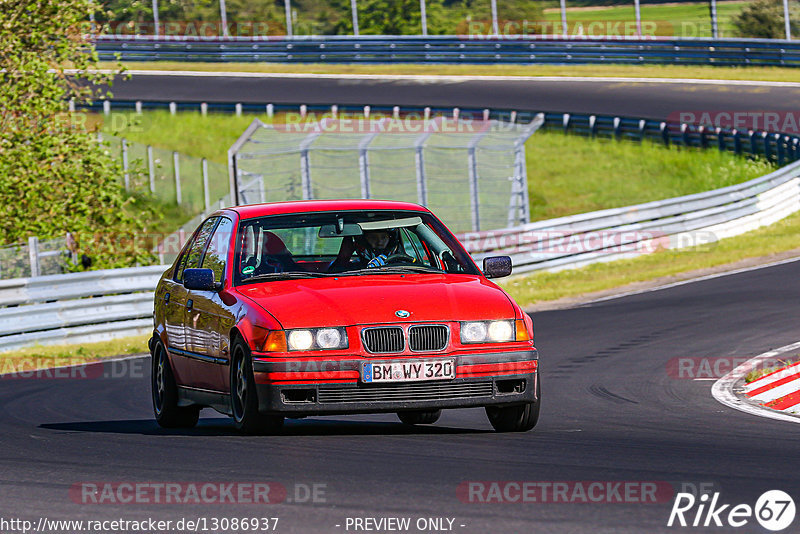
(374,299)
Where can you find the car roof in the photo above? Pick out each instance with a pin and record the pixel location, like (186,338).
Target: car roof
(312,206)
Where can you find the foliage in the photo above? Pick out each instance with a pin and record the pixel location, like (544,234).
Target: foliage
(763,19)
(54,177)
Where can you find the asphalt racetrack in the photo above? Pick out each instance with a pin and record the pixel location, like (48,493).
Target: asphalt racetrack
(656,100)
(613,411)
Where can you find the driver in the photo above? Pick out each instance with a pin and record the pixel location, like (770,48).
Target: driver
(378,245)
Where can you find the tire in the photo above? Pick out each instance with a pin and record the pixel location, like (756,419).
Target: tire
(420,417)
(165,394)
(519,418)
(244,398)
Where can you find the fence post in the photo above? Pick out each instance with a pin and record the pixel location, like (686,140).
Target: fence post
(664,133)
(721,144)
(33,255)
(206,194)
(363,164)
(151,168)
(781,153)
(419,163)
(126,174)
(176,171)
(737,142)
(753,143)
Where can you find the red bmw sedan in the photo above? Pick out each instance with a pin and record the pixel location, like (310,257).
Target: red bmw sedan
(337,307)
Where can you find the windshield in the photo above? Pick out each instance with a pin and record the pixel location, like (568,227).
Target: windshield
(347,243)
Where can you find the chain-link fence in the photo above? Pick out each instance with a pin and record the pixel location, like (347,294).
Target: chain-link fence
(471,173)
(34,258)
(173,178)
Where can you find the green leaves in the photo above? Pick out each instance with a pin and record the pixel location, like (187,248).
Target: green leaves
(54,177)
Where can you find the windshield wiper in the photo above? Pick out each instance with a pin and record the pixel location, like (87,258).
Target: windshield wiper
(291,275)
(393,269)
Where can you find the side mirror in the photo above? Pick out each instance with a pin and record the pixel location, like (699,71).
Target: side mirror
(496,266)
(199,280)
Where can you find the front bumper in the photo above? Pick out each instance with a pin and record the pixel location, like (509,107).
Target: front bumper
(483,379)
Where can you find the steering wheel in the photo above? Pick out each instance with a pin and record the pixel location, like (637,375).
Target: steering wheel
(400,257)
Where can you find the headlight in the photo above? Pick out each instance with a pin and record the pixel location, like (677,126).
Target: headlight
(488,332)
(317,339)
(301,339)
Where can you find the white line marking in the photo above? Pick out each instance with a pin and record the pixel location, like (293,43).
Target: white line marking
(452,78)
(722,390)
(693,280)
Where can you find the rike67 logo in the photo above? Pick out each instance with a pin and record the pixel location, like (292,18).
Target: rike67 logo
(774,510)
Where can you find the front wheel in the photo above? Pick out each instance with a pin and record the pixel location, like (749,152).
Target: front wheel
(165,394)
(244,399)
(518,418)
(420,417)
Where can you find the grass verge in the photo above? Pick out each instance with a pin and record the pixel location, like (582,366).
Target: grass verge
(769,74)
(770,240)
(596,175)
(45,357)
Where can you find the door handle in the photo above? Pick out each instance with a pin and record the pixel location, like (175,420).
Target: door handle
(189,304)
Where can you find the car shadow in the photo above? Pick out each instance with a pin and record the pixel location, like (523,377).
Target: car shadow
(219,426)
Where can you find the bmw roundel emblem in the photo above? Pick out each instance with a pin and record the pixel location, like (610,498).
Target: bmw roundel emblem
(403,314)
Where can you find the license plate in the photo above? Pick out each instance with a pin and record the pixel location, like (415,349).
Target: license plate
(413,371)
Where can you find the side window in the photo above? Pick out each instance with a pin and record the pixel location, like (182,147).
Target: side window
(192,255)
(217,253)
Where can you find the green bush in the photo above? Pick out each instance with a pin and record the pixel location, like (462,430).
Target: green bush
(764,19)
(54,177)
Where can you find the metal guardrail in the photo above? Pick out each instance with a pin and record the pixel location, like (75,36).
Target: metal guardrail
(93,306)
(455,49)
(699,219)
(79,307)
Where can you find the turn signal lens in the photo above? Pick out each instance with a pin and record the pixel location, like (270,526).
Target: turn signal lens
(522,332)
(268,340)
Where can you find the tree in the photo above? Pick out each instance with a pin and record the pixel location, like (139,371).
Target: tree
(54,177)
(763,19)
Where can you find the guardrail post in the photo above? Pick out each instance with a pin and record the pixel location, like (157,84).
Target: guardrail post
(106,107)
(270,110)
(701,130)
(203,109)
(753,143)
(176,171)
(795,148)
(564,122)
(206,194)
(721,145)
(642,125)
(238,109)
(664,133)
(767,147)
(126,175)
(593,126)
(173,108)
(151,168)
(780,149)
(138,107)
(685,131)
(617,128)
(33,255)
(737,142)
